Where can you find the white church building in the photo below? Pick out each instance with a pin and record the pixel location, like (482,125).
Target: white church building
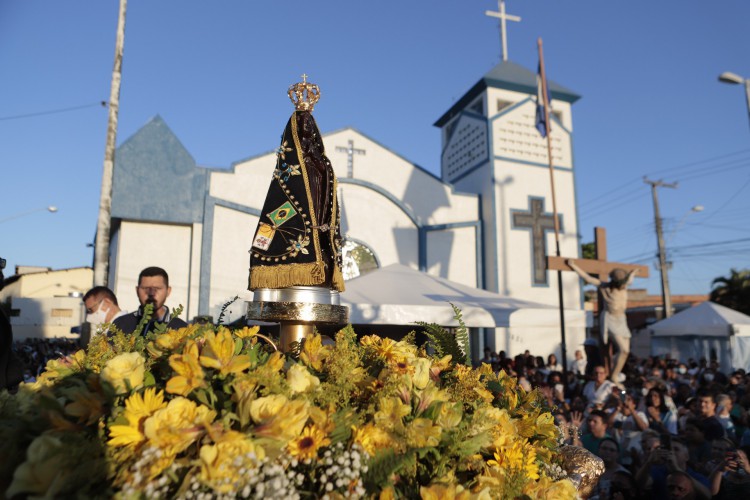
(487,222)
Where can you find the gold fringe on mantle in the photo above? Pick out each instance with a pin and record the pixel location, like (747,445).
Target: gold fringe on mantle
(338,279)
(286,275)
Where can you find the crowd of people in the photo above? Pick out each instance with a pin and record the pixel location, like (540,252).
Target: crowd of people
(35,352)
(664,428)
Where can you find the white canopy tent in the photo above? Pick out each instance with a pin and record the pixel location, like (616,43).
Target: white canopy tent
(702,331)
(400,295)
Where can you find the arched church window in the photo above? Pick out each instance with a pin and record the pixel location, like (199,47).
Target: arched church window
(358,259)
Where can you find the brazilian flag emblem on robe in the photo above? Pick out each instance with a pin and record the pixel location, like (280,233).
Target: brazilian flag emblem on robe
(282,214)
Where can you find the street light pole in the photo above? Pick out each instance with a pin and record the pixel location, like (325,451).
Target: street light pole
(101,248)
(51,209)
(666,296)
(734,79)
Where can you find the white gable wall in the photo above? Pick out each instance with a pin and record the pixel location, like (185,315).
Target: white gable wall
(169,246)
(232,237)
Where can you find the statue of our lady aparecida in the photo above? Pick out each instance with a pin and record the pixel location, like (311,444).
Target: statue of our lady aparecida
(295,258)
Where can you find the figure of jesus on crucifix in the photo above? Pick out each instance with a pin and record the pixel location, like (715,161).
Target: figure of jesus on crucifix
(613,321)
(613,294)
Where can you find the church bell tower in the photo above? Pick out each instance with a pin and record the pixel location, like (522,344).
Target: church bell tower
(490,146)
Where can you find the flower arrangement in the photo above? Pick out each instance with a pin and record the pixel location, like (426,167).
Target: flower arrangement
(207,412)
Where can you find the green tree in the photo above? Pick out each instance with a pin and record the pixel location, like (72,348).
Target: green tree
(588,250)
(733,291)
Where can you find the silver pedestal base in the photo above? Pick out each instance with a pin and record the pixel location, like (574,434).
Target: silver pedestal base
(297,310)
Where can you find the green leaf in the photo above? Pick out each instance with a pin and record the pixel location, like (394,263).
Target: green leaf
(148,379)
(445,342)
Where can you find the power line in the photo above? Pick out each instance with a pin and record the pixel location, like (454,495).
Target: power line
(600,209)
(670,169)
(54,111)
(731,198)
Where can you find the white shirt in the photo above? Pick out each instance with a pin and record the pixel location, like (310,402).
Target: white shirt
(600,395)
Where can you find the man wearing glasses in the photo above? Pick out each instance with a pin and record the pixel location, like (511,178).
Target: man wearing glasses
(153,288)
(101,308)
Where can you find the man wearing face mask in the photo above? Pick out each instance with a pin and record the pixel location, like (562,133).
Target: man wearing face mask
(153,288)
(101,307)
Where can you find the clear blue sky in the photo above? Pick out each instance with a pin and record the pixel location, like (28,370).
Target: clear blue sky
(217,72)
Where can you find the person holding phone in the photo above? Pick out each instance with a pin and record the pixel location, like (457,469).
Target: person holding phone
(671,456)
(730,479)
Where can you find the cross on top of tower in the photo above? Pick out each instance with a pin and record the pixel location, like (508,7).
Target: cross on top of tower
(503,17)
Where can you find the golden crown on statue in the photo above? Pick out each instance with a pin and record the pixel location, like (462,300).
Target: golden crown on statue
(304,95)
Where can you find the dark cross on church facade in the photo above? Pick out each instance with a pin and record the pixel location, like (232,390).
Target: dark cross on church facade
(503,17)
(539,223)
(599,266)
(350,152)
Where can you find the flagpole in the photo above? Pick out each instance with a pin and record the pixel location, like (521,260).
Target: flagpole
(545,97)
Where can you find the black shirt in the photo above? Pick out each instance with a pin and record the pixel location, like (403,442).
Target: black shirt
(129,322)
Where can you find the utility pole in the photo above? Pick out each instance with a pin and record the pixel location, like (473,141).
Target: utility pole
(101,246)
(666,296)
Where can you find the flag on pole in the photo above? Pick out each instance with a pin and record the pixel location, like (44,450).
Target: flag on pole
(541,116)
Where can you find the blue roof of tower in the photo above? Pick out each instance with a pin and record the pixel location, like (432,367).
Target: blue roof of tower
(510,76)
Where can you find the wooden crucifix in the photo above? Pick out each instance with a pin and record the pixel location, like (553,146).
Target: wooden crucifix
(598,266)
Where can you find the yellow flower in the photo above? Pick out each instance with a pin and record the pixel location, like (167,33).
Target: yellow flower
(275,362)
(391,413)
(545,426)
(222,461)
(389,350)
(171,340)
(438,491)
(387,493)
(518,456)
(87,406)
(243,392)
(526,425)
(314,353)
(440,366)
(373,438)
(301,380)
(449,414)
(125,435)
(175,427)
(323,418)
(124,372)
(62,367)
(503,430)
(306,446)
(428,396)
(247,332)
(422,432)
(41,475)
(137,409)
(139,406)
(547,489)
(219,353)
(279,418)
(189,372)
(484,394)
(421,372)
